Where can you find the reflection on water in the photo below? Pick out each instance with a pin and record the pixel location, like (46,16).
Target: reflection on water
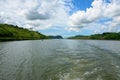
(60,60)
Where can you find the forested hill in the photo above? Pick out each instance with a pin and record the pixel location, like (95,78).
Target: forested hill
(10,32)
(103,36)
(106,36)
(55,37)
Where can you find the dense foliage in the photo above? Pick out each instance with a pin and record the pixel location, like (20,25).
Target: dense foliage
(79,37)
(107,36)
(55,37)
(10,32)
(103,36)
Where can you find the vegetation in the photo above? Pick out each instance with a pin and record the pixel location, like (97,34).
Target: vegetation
(103,36)
(55,37)
(79,37)
(10,32)
(107,36)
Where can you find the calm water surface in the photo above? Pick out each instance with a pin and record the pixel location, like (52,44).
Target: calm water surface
(60,60)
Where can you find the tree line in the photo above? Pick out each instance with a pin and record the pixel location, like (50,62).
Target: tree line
(11,32)
(103,36)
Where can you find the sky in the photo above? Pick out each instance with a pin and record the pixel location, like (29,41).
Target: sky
(63,17)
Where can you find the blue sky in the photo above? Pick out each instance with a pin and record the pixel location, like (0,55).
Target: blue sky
(81,4)
(77,5)
(63,17)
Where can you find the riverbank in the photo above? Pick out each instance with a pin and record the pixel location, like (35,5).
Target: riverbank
(103,36)
(11,33)
(17,39)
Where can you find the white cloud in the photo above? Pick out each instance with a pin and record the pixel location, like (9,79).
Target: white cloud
(38,14)
(42,14)
(100,9)
(82,18)
(112,9)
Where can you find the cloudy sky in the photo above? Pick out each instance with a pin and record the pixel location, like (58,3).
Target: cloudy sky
(63,17)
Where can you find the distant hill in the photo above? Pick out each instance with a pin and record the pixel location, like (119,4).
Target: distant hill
(106,36)
(10,32)
(79,37)
(55,37)
(103,36)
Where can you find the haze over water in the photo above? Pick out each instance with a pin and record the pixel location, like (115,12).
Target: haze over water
(60,60)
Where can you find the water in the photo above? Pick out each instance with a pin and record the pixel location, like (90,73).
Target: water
(60,60)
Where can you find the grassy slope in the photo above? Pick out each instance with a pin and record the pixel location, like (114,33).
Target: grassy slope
(106,36)
(79,37)
(103,36)
(10,32)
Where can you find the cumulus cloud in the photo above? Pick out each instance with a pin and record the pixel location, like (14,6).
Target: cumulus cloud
(42,14)
(36,14)
(82,18)
(100,9)
(112,9)
(1,20)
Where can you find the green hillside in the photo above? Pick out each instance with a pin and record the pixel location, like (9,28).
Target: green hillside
(106,36)
(55,37)
(103,36)
(79,37)
(10,32)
